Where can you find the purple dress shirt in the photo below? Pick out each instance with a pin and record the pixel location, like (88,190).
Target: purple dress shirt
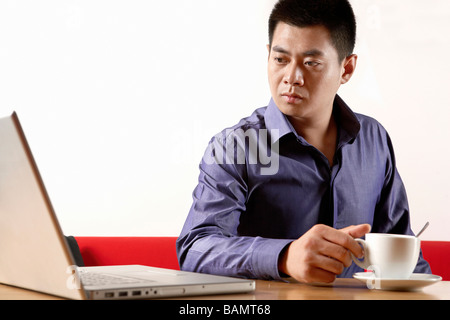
(261,186)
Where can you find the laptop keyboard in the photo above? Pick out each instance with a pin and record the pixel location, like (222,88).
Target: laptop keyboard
(98,279)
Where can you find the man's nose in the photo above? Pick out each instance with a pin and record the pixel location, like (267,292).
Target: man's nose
(294,76)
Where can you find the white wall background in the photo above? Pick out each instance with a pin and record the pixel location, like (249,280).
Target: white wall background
(119,99)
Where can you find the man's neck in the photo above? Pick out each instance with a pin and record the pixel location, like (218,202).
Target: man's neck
(320,133)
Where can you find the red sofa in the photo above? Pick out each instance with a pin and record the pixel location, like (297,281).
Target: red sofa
(437,253)
(160,252)
(147,251)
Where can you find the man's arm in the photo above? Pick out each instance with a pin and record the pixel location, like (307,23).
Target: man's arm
(392,213)
(210,242)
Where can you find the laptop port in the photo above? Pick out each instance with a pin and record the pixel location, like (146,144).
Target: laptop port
(123,293)
(136,293)
(109,294)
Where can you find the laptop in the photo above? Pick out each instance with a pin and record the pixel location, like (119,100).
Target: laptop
(34,253)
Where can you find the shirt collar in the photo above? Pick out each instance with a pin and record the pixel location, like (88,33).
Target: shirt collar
(275,119)
(347,121)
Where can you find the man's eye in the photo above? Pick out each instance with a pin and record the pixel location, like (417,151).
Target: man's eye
(279,60)
(312,63)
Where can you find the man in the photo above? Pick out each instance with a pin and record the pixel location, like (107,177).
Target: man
(331,175)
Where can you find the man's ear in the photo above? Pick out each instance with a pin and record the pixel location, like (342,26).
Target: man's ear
(268,51)
(348,68)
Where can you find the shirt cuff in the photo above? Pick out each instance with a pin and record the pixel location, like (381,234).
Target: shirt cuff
(265,257)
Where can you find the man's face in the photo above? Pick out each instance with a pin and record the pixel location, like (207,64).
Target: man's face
(304,71)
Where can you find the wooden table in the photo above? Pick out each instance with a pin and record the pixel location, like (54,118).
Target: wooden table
(341,289)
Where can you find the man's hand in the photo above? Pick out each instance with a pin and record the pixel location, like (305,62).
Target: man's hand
(322,253)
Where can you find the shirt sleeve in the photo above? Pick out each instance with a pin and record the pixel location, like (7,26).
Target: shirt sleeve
(210,241)
(392,212)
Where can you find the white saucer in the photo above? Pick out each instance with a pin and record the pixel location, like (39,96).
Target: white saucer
(415,282)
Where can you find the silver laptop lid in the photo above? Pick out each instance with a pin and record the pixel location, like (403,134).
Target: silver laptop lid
(34,252)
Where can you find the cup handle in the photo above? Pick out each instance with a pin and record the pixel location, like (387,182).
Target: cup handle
(361,263)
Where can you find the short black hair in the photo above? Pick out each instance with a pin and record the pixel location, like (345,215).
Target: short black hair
(335,15)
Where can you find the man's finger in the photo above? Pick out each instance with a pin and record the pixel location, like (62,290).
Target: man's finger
(344,237)
(357,231)
(337,252)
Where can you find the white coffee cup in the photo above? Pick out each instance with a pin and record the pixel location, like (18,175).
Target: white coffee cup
(390,256)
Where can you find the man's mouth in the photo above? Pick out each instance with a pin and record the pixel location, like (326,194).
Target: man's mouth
(292,98)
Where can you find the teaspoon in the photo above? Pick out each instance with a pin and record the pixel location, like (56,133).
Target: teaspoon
(423,229)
